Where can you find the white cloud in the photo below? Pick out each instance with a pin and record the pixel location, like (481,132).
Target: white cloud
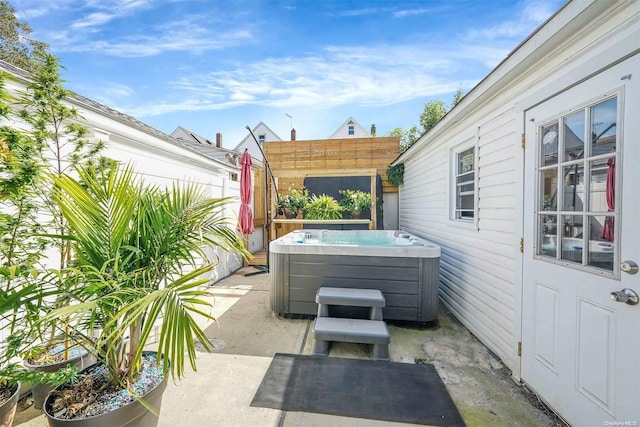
(111,93)
(93,20)
(120,91)
(361,12)
(401,13)
(107,11)
(161,39)
(532,14)
(150,45)
(193,33)
(410,12)
(364,76)
(28,9)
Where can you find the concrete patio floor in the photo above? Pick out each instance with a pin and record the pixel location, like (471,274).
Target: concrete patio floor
(248,334)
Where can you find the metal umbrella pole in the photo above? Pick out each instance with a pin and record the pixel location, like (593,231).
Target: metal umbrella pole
(269,220)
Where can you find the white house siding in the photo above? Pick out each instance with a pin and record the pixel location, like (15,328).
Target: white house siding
(477,271)
(157,158)
(248,143)
(343,131)
(481,263)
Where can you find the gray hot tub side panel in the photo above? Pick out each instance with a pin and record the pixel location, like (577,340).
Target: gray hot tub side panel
(410,285)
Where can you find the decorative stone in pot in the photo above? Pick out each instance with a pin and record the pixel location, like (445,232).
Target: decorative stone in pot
(132,412)
(80,360)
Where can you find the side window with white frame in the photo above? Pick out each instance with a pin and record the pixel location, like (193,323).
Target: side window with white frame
(464,183)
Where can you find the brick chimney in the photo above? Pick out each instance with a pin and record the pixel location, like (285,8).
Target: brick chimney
(293,134)
(373,129)
(219,140)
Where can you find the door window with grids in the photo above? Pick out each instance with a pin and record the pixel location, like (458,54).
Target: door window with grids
(577,182)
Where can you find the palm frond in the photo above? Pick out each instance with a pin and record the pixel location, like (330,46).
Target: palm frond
(139,255)
(177,304)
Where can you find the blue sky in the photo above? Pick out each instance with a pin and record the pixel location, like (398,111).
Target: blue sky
(218,66)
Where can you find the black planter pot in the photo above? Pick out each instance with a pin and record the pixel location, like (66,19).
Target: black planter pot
(41,390)
(8,408)
(133,414)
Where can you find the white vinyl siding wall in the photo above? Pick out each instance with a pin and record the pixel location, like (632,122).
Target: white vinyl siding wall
(480,274)
(478,261)
(155,160)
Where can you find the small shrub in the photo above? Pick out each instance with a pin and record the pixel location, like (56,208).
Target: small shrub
(355,201)
(294,200)
(323,207)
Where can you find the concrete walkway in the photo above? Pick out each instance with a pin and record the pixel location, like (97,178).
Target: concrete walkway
(248,334)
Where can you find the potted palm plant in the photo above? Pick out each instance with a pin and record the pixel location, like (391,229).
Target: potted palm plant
(138,252)
(355,202)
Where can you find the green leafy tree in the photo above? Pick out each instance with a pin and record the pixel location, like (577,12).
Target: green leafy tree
(432,113)
(457,97)
(62,140)
(21,295)
(16,46)
(61,143)
(20,171)
(407,137)
(20,249)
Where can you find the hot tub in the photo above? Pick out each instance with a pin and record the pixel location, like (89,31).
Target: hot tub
(403,266)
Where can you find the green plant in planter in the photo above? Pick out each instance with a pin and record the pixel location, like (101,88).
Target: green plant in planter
(293,201)
(138,254)
(24,291)
(323,207)
(15,320)
(355,201)
(58,143)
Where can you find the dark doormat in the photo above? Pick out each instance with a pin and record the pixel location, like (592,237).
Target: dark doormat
(399,392)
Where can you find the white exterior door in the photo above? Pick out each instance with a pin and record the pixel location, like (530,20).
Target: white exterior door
(580,348)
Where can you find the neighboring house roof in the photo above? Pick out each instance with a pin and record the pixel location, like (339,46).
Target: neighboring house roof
(205,147)
(113,114)
(343,130)
(259,128)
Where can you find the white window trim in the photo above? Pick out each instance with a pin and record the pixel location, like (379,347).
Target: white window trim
(453,153)
(619,94)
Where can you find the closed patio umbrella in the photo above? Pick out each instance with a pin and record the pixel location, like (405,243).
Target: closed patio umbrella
(607,232)
(245,216)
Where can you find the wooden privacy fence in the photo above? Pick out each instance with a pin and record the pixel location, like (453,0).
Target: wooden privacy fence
(293,161)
